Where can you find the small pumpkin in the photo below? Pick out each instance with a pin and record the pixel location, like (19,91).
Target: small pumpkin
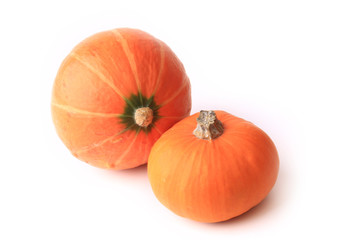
(216,172)
(115,94)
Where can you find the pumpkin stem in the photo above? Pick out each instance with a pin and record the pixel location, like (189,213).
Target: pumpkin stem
(208,126)
(143,116)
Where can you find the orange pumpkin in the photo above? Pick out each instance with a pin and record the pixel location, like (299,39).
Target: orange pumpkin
(115,94)
(217,172)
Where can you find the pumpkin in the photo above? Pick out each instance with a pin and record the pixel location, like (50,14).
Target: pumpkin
(216,172)
(115,94)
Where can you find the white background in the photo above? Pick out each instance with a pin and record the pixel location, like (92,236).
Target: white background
(290,67)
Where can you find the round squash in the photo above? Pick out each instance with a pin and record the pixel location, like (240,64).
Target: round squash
(115,94)
(216,172)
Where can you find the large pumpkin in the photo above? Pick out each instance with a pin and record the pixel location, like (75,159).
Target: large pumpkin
(219,171)
(115,94)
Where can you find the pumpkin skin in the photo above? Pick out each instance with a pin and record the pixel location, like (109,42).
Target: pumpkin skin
(103,82)
(213,180)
